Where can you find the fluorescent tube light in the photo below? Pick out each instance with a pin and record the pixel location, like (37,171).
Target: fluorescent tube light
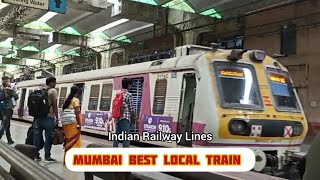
(55,46)
(110,25)
(47,16)
(133,30)
(3,5)
(9,40)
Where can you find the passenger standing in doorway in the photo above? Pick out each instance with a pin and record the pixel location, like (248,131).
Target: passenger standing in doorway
(123,124)
(6,107)
(47,123)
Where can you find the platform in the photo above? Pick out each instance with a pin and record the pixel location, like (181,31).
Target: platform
(19,133)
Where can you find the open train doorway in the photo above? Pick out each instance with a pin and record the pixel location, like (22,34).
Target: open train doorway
(136,92)
(81,91)
(188,94)
(22,102)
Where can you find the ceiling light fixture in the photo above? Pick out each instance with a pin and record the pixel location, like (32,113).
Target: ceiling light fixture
(116,2)
(9,40)
(55,46)
(133,30)
(110,25)
(47,16)
(3,5)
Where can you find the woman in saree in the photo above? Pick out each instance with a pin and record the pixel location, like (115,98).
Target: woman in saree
(71,121)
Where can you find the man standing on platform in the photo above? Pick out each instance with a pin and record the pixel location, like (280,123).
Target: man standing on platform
(6,107)
(47,122)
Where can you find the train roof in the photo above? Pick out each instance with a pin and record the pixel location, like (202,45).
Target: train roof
(182,62)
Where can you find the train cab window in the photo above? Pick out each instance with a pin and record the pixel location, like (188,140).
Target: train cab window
(159,96)
(94,96)
(106,95)
(282,90)
(237,85)
(63,96)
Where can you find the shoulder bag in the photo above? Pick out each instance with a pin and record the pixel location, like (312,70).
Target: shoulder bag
(57,136)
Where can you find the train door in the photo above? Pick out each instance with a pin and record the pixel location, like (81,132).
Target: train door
(81,91)
(188,93)
(22,102)
(136,92)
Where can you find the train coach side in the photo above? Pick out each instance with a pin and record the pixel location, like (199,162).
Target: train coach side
(159,88)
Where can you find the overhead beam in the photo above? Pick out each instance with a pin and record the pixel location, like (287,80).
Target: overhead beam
(14,61)
(30,54)
(70,40)
(63,39)
(140,12)
(89,6)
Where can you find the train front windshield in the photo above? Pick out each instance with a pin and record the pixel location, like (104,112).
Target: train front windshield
(238,86)
(282,90)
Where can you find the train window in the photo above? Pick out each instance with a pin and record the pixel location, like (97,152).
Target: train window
(237,85)
(63,96)
(106,95)
(159,96)
(282,90)
(30,91)
(94,96)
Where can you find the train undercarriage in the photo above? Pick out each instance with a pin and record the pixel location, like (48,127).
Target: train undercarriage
(290,165)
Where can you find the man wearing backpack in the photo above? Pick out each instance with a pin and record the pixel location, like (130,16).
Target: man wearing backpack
(45,118)
(122,111)
(6,107)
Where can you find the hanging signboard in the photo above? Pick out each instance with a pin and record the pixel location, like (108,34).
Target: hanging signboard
(58,6)
(38,4)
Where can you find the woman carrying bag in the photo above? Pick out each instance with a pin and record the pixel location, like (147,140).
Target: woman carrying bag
(71,121)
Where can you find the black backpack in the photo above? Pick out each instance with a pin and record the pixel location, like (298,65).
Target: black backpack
(38,104)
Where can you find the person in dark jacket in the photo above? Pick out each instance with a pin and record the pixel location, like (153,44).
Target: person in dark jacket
(7,111)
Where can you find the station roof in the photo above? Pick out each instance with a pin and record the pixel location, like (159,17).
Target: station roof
(102,21)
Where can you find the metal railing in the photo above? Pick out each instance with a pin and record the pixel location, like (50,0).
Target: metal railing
(23,166)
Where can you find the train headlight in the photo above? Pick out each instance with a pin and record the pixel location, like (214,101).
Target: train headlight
(257,55)
(238,127)
(297,129)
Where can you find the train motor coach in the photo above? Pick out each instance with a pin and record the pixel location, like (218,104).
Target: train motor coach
(240,98)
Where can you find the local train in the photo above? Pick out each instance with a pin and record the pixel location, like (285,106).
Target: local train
(242,98)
